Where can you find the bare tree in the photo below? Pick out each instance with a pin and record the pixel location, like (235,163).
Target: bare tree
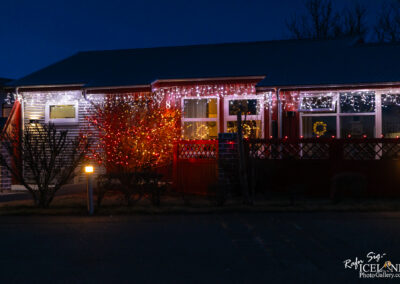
(43,160)
(321,21)
(354,21)
(387,28)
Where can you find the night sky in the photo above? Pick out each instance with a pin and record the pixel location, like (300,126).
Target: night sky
(34,34)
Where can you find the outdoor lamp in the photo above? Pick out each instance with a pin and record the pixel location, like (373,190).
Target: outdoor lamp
(89,170)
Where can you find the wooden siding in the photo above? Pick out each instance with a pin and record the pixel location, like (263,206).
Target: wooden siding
(34,108)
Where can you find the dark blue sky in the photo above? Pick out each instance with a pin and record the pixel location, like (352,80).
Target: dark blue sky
(34,34)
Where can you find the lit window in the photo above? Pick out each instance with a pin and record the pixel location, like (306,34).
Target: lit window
(66,113)
(251,128)
(321,126)
(252,112)
(62,111)
(353,115)
(200,118)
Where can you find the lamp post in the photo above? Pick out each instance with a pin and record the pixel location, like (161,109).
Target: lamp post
(89,170)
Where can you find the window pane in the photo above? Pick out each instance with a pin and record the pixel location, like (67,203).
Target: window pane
(251,128)
(200,108)
(357,126)
(62,111)
(322,126)
(249,107)
(317,103)
(357,102)
(200,130)
(391,115)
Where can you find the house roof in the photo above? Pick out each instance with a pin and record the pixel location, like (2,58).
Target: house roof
(4,81)
(283,63)
(360,63)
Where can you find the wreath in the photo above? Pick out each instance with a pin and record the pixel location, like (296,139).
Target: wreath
(202,132)
(319,128)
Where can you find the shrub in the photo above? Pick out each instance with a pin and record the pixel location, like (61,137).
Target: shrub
(43,160)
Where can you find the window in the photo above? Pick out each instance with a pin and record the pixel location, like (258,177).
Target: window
(63,113)
(362,104)
(200,118)
(357,126)
(251,128)
(317,103)
(353,115)
(322,126)
(359,102)
(247,107)
(252,113)
(391,115)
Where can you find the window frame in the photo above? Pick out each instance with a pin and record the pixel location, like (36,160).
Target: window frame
(64,121)
(183,119)
(338,114)
(259,116)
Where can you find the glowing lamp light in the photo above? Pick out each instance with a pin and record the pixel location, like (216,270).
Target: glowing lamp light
(364,136)
(89,169)
(333,136)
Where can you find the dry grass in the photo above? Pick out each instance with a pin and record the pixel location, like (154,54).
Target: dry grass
(75,204)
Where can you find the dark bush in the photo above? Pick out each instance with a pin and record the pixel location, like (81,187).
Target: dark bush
(152,187)
(133,186)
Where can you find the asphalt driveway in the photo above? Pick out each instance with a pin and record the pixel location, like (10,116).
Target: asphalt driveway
(229,248)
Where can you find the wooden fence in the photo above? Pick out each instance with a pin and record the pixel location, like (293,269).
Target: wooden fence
(315,166)
(309,166)
(195,166)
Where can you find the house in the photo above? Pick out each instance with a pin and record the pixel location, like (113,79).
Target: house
(5,106)
(292,88)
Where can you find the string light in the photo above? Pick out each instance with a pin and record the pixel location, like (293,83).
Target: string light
(355,101)
(134,132)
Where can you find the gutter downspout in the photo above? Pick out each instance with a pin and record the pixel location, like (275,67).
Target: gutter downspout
(277,92)
(22,110)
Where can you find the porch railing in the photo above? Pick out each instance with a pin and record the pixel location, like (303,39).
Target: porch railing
(196,149)
(325,149)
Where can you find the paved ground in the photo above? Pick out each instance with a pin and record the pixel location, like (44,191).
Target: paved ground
(231,248)
(25,195)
